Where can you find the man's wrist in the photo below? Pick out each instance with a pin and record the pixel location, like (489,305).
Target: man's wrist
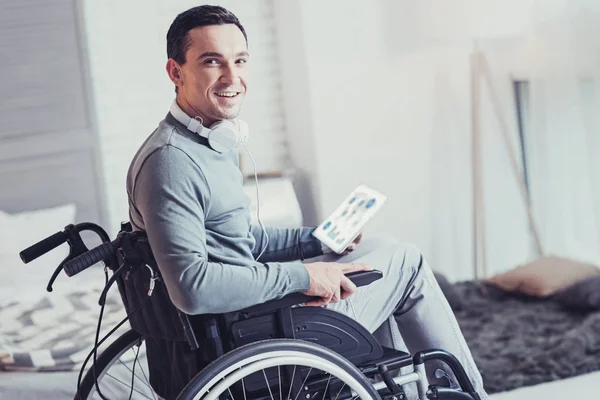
(325,249)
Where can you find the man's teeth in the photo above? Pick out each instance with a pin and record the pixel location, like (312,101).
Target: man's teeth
(226,94)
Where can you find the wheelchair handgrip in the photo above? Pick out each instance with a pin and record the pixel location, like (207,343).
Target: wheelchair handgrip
(43,246)
(86,260)
(364,278)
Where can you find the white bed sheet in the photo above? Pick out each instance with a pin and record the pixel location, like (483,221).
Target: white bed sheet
(580,387)
(38,385)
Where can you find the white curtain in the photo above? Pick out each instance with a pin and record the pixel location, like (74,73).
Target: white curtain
(564,169)
(564,138)
(556,52)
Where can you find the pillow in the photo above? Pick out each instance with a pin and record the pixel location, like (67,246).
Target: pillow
(544,276)
(20,231)
(582,296)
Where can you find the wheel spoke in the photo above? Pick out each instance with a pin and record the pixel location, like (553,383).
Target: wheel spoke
(326,387)
(279,375)
(268,386)
(291,383)
(136,375)
(301,386)
(127,385)
(231,394)
(147,381)
(143,372)
(133,376)
(244,389)
(342,388)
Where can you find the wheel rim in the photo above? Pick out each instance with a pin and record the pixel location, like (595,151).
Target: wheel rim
(236,373)
(115,380)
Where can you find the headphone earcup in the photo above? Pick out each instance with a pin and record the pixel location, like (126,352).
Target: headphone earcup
(224,136)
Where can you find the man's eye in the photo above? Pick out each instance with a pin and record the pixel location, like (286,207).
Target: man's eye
(211,62)
(242,61)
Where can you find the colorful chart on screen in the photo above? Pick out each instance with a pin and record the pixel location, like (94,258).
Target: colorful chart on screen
(349,219)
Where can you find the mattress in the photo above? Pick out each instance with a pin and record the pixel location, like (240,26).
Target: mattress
(37,385)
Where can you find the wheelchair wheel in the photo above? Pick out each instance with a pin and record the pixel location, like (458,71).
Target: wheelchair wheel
(280,369)
(122,371)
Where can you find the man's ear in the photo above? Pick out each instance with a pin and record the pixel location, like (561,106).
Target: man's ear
(174,72)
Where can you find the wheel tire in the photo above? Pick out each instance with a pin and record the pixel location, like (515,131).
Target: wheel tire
(105,359)
(196,385)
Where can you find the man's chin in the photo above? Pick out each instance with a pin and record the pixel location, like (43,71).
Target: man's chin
(229,114)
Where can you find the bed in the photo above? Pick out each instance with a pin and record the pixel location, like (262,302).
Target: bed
(526,348)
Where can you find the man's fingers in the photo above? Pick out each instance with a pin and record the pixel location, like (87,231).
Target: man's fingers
(337,295)
(352,267)
(358,239)
(348,288)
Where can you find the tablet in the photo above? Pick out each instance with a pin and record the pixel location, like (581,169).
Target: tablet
(349,219)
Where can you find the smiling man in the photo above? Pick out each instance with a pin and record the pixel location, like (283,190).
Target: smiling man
(185,191)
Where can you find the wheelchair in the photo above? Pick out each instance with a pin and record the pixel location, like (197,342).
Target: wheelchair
(272,351)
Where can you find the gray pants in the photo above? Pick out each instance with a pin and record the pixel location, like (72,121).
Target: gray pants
(406,309)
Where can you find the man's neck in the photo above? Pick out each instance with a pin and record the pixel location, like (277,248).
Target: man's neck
(192,112)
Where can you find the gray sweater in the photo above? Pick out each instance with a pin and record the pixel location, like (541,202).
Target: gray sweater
(189,200)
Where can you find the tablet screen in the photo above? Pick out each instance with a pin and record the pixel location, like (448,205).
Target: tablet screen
(349,219)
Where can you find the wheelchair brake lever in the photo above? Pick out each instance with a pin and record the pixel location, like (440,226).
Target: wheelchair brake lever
(440,373)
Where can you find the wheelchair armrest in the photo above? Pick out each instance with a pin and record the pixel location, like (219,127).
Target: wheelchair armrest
(359,278)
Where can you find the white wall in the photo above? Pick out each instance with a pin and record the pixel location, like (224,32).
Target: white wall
(386,102)
(131,90)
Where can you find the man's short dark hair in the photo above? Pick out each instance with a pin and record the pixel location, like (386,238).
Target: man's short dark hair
(178,40)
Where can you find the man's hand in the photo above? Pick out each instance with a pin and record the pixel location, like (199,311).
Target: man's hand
(329,282)
(352,246)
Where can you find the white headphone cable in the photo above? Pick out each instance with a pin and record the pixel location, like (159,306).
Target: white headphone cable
(258,204)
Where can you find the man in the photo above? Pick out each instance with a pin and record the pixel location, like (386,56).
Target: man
(188,197)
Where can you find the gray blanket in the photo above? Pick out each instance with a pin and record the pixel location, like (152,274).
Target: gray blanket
(521,341)
(54,332)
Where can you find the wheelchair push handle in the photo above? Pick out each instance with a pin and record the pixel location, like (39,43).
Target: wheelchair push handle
(86,260)
(43,246)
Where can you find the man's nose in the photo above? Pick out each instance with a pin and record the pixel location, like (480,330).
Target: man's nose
(229,75)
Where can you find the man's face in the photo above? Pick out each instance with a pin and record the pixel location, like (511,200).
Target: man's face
(214,73)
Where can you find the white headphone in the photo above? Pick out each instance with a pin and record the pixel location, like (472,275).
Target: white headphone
(223,136)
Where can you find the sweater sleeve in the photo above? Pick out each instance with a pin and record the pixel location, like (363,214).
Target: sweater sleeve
(171,194)
(285,244)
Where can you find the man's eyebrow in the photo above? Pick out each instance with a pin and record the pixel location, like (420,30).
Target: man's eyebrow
(219,55)
(210,54)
